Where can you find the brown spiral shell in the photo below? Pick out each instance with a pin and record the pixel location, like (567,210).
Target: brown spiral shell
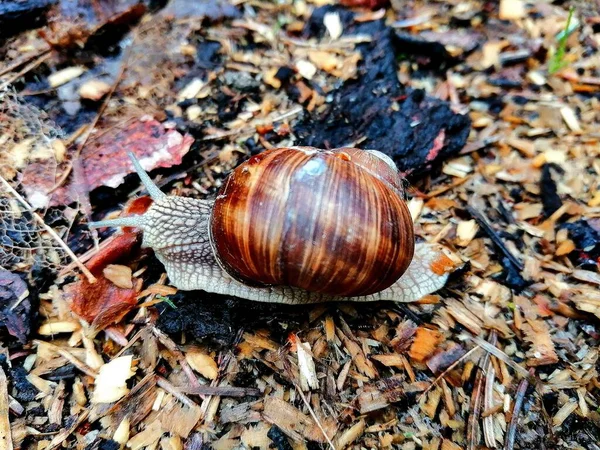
(328,221)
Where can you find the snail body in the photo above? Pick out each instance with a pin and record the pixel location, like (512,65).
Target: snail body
(294,225)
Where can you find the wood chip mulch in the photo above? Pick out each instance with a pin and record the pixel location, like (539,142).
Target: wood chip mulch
(505,356)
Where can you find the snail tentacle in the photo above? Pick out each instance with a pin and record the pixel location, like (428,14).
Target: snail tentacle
(152,188)
(134,221)
(131,221)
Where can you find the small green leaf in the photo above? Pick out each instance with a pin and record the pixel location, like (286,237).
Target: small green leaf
(166,300)
(557,61)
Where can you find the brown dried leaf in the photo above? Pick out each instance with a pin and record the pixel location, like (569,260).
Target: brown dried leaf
(542,350)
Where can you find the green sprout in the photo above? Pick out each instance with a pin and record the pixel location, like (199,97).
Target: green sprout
(557,61)
(167,300)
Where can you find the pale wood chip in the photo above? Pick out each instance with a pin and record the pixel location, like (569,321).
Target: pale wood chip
(587,275)
(390,360)
(262,342)
(449,445)
(111,382)
(333,24)
(570,119)
(381,394)
(149,436)
(415,206)
(306,366)
(178,418)
(118,275)
(525,146)
(256,436)
(564,412)
(364,365)
(59,326)
(122,432)
(466,231)
(202,363)
(65,75)
(94,90)
(350,435)
(464,314)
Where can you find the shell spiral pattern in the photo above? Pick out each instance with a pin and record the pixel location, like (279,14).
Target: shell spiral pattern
(313,219)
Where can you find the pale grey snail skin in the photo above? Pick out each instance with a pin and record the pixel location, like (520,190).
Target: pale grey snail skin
(177,229)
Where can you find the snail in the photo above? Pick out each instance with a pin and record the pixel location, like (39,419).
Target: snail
(294,225)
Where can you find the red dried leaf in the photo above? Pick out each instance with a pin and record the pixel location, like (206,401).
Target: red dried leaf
(137,206)
(105,161)
(371,4)
(118,247)
(103,304)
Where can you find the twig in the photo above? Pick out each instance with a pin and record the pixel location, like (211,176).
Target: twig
(480,218)
(314,416)
(488,396)
(446,188)
(132,341)
(511,433)
(176,392)
(502,356)
(69,357)
(172,347)
(221,391)
(5,433)
(22,61)
(26,69)
(291,113)
(473,435)
(91,278)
